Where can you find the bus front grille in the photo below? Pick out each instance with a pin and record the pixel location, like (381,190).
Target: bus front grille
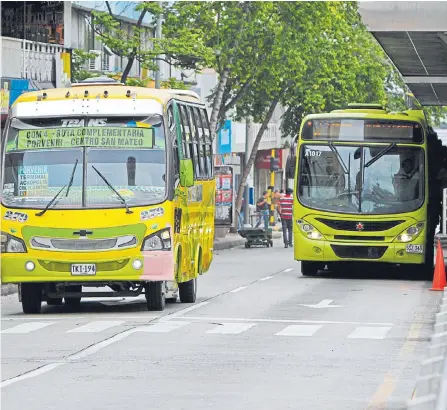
(359,252)
(368,226)
(358,238)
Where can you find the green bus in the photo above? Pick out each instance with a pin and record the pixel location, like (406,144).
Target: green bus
(365,189)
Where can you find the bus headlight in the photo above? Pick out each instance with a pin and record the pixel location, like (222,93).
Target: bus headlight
(411,233)
(309,230)
(158,241)
(11,244)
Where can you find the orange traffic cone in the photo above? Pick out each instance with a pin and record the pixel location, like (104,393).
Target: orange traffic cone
(439,280)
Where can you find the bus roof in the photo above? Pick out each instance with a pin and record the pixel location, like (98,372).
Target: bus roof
(410,115)
(111,91)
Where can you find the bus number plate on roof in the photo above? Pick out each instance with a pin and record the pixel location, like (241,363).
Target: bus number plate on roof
(83,269)
(414,248)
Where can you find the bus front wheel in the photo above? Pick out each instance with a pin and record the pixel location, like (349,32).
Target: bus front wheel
(188,291)
(31,295)
(310,268)
(155,297)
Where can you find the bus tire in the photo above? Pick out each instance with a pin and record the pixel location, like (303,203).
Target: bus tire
(155,297)
(310,268)
(31,294)
(188,291)
(73,301)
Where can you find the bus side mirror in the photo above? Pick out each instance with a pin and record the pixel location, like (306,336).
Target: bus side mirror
(290,166)
(186,173)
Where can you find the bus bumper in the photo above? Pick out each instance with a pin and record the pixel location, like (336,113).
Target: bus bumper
(143,266)
(329,251)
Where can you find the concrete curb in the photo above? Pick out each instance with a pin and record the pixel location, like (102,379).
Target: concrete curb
(431,384)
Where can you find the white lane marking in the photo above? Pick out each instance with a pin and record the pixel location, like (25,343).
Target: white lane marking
(325,303)
(237,319)
(231,328)
(288,270)
(97,326)
(76,356)
(183,311)
(299,330)
(161,327)
(27,327)
(238,289)
(266,278)
(74,317)
(368,332)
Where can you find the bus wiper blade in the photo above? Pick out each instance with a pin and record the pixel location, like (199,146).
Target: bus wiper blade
(340,159)
(50,203)
(380,155)
(72,177)
(128,211)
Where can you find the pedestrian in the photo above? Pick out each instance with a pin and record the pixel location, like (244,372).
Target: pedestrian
(262,207)
(286,214)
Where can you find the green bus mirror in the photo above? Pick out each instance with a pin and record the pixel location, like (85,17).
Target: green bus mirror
(186,173)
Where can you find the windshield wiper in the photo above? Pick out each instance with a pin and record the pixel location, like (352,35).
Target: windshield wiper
(128,211)
(70,183)
(72,177)
(380,155)
(50,203)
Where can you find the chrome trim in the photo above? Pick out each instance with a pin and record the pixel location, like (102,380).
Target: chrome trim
(83,244)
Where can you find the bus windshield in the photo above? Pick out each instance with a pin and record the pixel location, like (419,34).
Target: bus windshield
(381,179)
(45,156)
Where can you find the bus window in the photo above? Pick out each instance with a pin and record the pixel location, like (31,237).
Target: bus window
(185,131)
(194,141)
(173,135)
(201,141)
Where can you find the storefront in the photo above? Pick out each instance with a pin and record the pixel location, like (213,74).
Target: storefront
(262,171)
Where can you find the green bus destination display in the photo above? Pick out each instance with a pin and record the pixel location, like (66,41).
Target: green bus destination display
(108,137)
(346,129)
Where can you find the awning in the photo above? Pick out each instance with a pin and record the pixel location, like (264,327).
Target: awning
(414,36)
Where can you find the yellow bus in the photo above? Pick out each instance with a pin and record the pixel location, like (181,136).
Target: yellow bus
(366,190)
(106,186)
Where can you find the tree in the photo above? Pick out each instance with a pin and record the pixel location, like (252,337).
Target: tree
(183,50)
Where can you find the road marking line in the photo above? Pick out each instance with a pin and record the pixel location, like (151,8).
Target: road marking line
(238,289)
(74,317)
(161,327)
(266,278)
(231,328)
(27,327)
(386,389)
(288,270)
(97,326)
(369,332)
(299,330)
(236,319)
(76,356)
(182,311)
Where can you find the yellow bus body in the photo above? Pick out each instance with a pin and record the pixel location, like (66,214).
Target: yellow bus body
(336,240)
(188,214)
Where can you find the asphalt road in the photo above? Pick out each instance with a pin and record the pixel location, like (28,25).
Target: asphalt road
(261,336)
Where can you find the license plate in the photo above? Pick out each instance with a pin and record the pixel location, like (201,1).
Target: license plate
(83,269)
(414,248)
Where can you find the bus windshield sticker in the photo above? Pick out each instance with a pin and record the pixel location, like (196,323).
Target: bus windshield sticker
(107,137)
(33,180)
(8,189)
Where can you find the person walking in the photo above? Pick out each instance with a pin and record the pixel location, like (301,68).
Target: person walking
(285,212)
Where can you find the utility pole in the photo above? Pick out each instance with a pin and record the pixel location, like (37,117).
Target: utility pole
(246,157)
(271,193)
(158,34)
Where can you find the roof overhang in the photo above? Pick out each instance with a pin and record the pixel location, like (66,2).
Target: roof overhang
(414,36)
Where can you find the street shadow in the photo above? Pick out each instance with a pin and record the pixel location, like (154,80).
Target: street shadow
(373,271)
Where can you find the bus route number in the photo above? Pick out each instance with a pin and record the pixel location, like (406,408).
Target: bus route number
(312,153)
